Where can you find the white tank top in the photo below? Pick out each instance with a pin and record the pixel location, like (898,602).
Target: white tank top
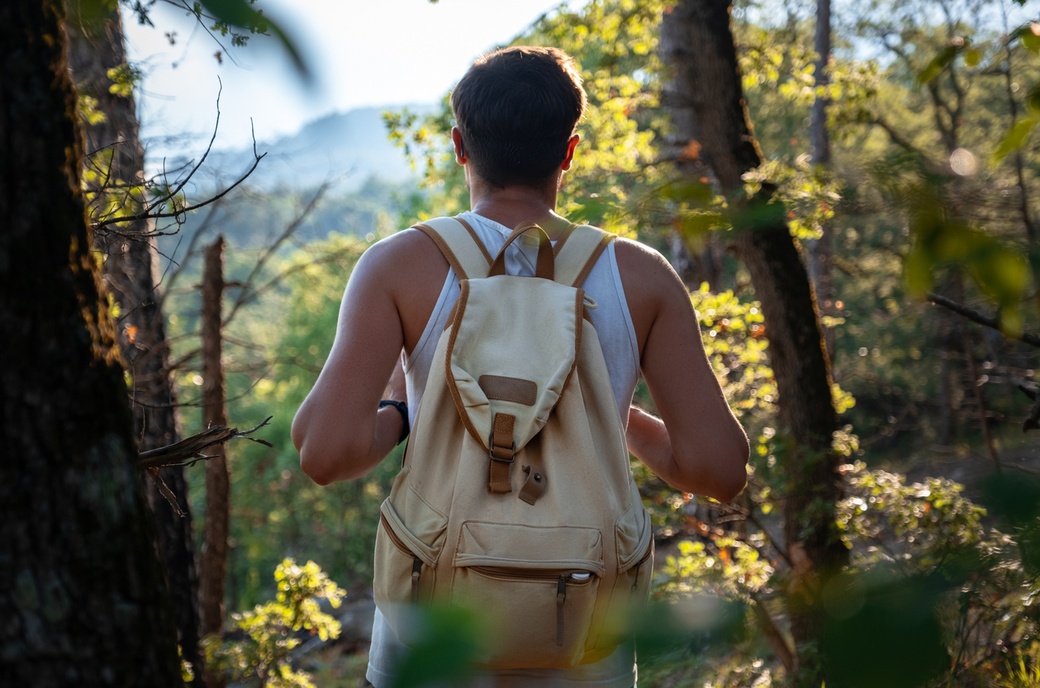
(617,338)
(611,318)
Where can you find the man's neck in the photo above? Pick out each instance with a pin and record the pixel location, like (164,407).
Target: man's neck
(514,204)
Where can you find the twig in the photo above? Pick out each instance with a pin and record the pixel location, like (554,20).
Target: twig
(981,319)
(189,451)
(773,634)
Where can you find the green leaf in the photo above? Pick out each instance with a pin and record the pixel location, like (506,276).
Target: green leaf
(1030,36)
(938,64)
(1016,138)
(1033,99)
(688,191)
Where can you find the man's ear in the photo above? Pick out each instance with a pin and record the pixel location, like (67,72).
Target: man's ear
(460,147)
(571,145)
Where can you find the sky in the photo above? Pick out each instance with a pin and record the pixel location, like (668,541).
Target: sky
(364,53)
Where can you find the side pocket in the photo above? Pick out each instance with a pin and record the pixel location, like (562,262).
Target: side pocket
(536,587)
(405,557)
(634,539)
(637,544)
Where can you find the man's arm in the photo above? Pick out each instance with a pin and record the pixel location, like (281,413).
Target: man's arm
(697,445)
(339,430)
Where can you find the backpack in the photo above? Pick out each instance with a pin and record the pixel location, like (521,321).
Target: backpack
(516,497)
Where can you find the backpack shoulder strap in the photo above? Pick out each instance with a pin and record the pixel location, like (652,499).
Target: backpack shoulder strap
(459,244)
(578,252)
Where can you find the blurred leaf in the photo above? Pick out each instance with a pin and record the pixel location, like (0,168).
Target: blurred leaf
(1033,99)
(447,643)
(687,190)
(1029,34)
(883,631)
(1015,499)
(1016,138)
(661,628)
(939,63)
(1012,497)
(242,14)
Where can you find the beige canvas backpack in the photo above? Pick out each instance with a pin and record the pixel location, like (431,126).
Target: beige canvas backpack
(516,497)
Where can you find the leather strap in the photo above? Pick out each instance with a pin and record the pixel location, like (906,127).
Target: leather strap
(544,267)
(501,452)
(460,246)
(579,254)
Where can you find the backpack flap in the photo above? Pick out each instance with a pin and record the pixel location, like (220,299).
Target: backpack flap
(512,348)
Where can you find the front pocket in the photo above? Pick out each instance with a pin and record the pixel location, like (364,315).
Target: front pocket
(536,587)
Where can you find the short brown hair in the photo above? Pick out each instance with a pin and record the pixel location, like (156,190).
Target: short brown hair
(516,109)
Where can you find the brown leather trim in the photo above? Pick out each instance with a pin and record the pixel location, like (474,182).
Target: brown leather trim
(607,238)
(579,325)
(501,454)
(476,238)
(566,235)
(451,315)
(449,377)
(509,389)
(534,485)
(442,246)
(545,265)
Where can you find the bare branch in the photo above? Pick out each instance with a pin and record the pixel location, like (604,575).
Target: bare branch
(189,451)
(248,290)
(981,319)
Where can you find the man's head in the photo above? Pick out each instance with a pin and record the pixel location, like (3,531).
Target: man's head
(516,110)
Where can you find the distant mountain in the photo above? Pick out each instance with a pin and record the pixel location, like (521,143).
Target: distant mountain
(347,147)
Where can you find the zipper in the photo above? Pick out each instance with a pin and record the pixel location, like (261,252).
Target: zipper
(561,578)
(642,560)
(416,561)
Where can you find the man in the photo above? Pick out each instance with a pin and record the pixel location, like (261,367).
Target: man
(516,112)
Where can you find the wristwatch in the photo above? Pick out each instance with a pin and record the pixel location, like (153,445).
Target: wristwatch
(402,408)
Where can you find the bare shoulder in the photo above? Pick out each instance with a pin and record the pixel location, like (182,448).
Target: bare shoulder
(651,285)
(411,268)
(402,250)
(641,263)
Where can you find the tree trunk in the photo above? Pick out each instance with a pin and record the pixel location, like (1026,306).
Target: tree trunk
(115,159)
(821,250)
(215,545)
(84,601)
(700,48)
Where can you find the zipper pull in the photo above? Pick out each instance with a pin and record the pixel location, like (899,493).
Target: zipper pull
(416,571)
(561,597)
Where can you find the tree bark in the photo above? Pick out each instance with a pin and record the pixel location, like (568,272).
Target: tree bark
(821,250)
(213,566)
(115,157)
(84,601)
(699,46)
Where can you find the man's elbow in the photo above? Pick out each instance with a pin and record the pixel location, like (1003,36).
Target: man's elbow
(723,475)
(315,467)
(732,477)
(729,487)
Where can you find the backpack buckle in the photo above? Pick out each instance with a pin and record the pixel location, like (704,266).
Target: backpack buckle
(503,454)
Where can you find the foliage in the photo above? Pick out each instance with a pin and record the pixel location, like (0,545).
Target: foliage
(923,189)
(259,653)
